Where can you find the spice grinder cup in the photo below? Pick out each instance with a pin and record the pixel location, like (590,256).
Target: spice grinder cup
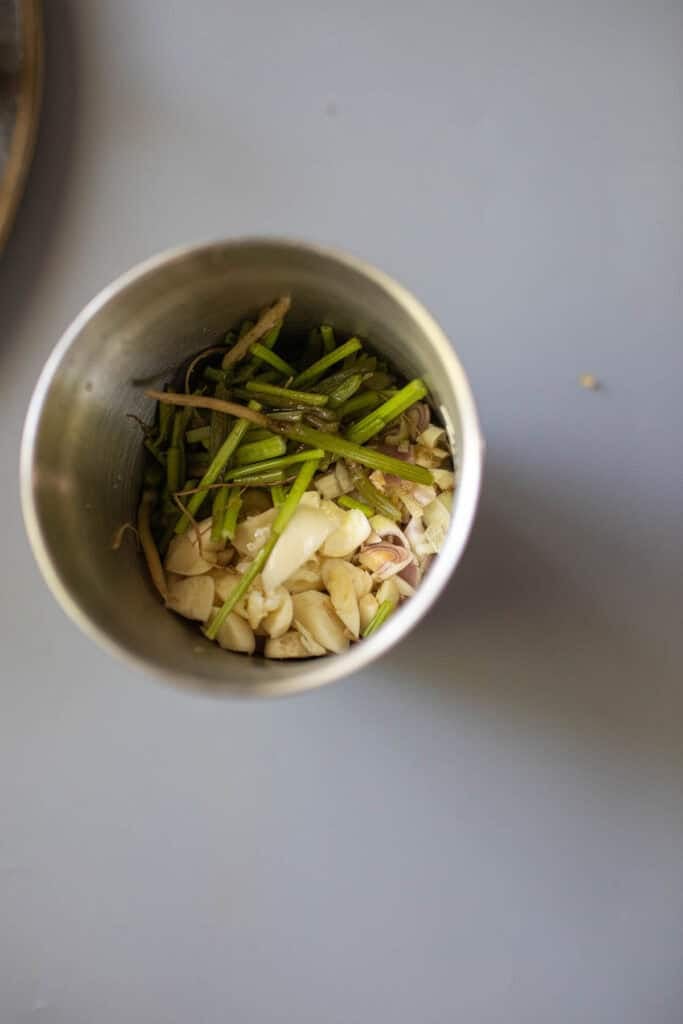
(82,457)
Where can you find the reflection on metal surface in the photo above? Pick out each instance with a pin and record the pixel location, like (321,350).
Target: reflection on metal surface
(21,73)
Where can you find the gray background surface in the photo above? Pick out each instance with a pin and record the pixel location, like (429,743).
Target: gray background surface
(488,825)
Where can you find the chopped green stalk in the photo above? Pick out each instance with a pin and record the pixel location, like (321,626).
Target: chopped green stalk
(218,431)
(254,364)
(231,513)
(173,469)
(273,359)
(165,420)
(313,346)
(266,478)
(329,384)
(346,501)
(348,450)
(377,420)
(286,394)
(284,514)
(197,435)
(218,513)
(306,435)
(260,451)
(359,403)
(327,335)
(230,338)
(345,390)
(278,494)
(370,494)
(218,464)
(211,373)
(313,373)
(257,434)
(240,473)
(378,619)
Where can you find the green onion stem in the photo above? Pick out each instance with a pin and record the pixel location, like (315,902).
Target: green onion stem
(260,451)
(272,359)
(367,490)
(231,513)
(346,501)
(218,513)
(217,465)
(286,394)
(239,473)
(313,373)
(377,420)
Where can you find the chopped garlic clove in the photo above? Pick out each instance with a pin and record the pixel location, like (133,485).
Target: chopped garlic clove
(316,614)
(308,641)
(191,596)
(338,579)
(183,557)
(389,591)
(328,486)
(306,531)
(252,533)
(279,619)
(289,645)
(236,635)
(353,530)
(367,607)
(306,577)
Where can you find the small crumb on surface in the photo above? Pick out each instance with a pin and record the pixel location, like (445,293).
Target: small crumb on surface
(589,382)
(331,109)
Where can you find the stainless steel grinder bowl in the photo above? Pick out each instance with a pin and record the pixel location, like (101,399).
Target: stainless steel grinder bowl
(81,457)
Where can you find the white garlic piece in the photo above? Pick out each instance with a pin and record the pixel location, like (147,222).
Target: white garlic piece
(389,591)
(310,499)
(316,614)
(338,579)
(311,645)
(353,530)
(306,531)
(328,486)
(236,635)
(183,555)
(367,607)
(225,583)
(279,618)
(252,533)
(191,596)
(289,645)
(444,479)
(306,577)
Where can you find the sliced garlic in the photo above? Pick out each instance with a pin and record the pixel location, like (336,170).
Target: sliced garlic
(338,579)
(389,591)
(252,533)
(306,531)
(437,519)
(328,486)
(431,437)
(444,479)
(353,530)
(367,607)
(279,618)
(289,645)
(343,477)
(316,614)
(183,556)
(191,596)
(236,635)
(306,577)
(308,641)
(255,609)
(404,588)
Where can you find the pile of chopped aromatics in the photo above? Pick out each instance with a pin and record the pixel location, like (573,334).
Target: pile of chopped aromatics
(294,494)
